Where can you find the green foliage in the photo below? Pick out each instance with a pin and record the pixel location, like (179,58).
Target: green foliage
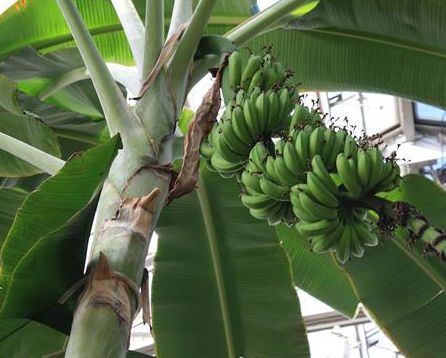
(11,200)
(30,131)
(222,280)
(392,47)
(23,338)
(318,274)
(400,288)
(8,92)
(52,247)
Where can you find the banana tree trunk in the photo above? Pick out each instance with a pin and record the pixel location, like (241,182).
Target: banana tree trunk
(128,209)
(138,183)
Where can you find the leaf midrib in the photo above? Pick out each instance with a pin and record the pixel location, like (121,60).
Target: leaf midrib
(216,264)
(422,264)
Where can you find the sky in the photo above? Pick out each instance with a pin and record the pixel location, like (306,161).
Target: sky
(4,4)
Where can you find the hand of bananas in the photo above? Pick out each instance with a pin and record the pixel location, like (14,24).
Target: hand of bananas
(292,168)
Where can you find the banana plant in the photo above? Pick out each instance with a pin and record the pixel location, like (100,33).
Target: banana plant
(92,127)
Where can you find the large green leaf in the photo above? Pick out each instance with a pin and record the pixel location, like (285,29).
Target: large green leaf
(404,291)
(222,283)
(44,252)
(39,24)
(35,74)
(8,95)
(28,130)
(427,196)
(383,46)
(11,199)
(23,338)
(319,275)
(65,124)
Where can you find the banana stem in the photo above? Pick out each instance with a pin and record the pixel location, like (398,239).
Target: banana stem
(431,236)
(179,66)
(407,217)
(154,35)
(117,113)
(263,20)
(133,29)
(181,13)
(32,155)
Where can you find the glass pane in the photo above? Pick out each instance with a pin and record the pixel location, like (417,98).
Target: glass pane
(424,112)
(369,112)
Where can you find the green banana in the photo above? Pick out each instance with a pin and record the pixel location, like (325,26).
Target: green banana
(239,126)
(226,152)
(261,106)
(271,77)
(223,166)
(325,242)
(270,170)
(291,160)
(239,98)
(329,141)
(273,190)
(364,168)
(235,65)
(251,182)
(286,177)
(257,201)
(279,216)
(343,245)
(364,234)
(320,191)
(273,122)
(316,144)
(232,140)
(284,103)
(319,169)
(348,175)
(253,64)
(377,164)
(265,213)
(302,147)
(337,148)
(206,150)
(317,228)
(350,146)
(256,80)
(300,116)
(258,156)
(251,120)
(356,247)
(316,209)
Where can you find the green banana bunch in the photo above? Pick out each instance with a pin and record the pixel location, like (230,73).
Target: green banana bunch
(290,167)
(326,220)
(369,174)
(251,119)
(303,116)
(264,198)
(255,71)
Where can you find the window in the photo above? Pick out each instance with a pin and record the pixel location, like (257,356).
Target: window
(369,112)
(426,114)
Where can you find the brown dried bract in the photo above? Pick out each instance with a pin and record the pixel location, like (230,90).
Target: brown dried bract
(105,287)
(199,129)
(135,214)
(166,54)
